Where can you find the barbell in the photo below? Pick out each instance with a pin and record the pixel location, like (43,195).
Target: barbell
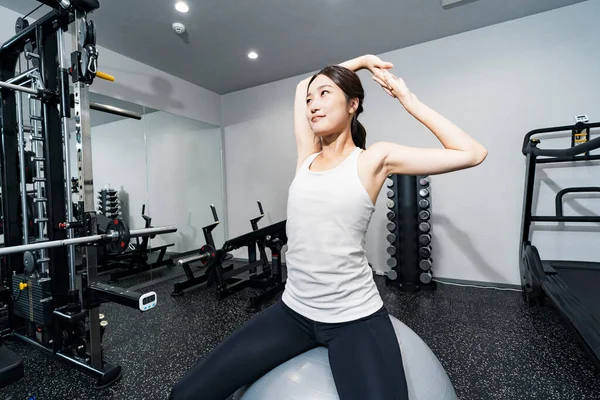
(117,235)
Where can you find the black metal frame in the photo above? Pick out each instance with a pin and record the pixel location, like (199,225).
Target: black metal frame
(133,262)
(539,278)
(261,274)
(68,312)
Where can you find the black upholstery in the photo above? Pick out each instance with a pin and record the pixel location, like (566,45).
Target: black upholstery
(11,367)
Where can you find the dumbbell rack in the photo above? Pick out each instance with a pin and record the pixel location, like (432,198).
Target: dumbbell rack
(409,233)
(108,203)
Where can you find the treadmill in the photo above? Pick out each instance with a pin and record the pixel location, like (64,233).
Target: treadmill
(572,286)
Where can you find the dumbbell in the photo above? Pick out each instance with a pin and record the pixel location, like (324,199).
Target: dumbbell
(391,262)
(424,181)
(426,277)
(426,264)
(425,239)
(424,193)
(424,215)
(392,274)
(390,204)
(391,226)
(391,215)
(391,250)
(424,203)
(424,226)
(391,238)
(425,251)
(390,194)
(389,183)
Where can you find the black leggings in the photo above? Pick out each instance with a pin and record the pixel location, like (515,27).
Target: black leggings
(364,355)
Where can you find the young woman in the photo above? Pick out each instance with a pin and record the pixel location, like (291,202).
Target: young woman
(330,297)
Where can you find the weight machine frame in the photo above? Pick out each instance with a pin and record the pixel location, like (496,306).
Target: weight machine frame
(227,279)
(71,330)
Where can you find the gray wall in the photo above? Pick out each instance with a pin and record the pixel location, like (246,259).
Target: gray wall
(497,83)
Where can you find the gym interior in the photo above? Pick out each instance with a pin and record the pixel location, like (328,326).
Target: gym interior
(152,146)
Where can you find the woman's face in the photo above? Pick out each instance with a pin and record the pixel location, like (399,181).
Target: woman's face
(327,109)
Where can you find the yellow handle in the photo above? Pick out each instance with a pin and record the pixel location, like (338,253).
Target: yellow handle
(22,285)
(105,76)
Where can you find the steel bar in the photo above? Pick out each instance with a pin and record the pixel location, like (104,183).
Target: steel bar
(85,239)
(67,151)
(153,231)
(18,88)
(21,142)
(19,78)
(115,110)
(191,259)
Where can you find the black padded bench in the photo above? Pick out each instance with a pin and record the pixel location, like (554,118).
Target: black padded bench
(11,367)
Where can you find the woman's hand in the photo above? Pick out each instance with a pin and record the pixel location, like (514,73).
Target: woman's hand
(394,86)
(374,63)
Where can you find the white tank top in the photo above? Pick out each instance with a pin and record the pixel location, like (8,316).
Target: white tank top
(328,275)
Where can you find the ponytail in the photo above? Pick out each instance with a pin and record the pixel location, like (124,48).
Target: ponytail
(359,133)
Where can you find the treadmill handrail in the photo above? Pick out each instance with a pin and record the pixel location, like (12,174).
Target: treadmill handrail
(570,152)
(528,148)
(578,189)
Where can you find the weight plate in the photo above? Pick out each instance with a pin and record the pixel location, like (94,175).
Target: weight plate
(120,244)
(208,249)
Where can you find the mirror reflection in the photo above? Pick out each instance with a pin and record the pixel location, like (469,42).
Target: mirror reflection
(162,169)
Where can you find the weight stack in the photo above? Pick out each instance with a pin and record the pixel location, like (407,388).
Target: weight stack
(109,204)
(33,303)
(409,232)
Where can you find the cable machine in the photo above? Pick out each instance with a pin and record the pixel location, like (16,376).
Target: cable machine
(40,301)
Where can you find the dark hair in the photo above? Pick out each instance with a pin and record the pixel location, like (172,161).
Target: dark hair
(350,84)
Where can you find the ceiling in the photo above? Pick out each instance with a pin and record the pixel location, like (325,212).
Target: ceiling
(292,37)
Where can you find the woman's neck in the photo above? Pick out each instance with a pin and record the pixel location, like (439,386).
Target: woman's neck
(334,147)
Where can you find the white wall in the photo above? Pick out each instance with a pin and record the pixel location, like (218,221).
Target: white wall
(148,86)
(497,83)
(184,179)
(119,162)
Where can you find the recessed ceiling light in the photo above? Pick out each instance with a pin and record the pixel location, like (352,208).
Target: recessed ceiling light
(252,55)
(181,6)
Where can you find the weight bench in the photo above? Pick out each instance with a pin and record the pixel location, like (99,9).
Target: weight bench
(11,367)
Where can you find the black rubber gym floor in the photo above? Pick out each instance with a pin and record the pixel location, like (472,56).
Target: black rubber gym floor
(492,344)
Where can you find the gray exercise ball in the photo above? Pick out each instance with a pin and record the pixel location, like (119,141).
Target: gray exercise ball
(308,375)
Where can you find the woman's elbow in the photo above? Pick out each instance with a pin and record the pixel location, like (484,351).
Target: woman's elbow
(479,156)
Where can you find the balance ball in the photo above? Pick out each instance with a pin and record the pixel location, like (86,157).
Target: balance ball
(308,375)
